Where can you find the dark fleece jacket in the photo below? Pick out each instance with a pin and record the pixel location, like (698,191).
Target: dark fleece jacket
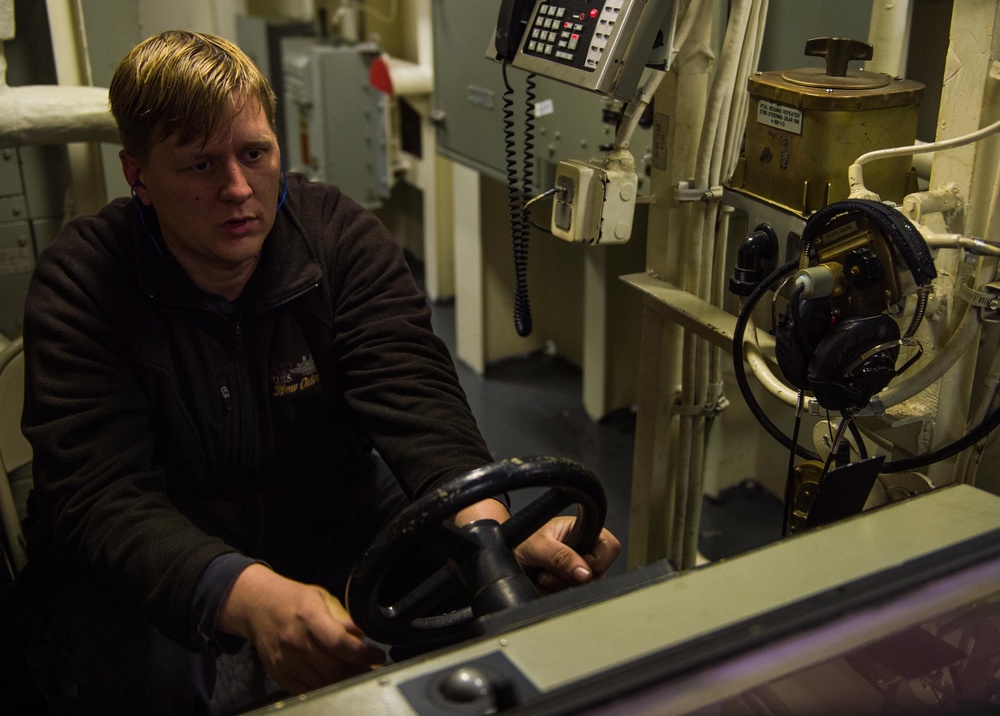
(170,427)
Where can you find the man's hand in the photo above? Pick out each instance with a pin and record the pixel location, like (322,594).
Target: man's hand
(303,635)
(559,565)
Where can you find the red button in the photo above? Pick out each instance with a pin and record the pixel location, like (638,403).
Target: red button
(593,13)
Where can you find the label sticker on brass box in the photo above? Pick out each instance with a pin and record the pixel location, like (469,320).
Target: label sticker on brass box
(779,116)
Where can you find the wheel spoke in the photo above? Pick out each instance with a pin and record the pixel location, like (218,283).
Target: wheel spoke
(530,518)
(438,609)
(443,543)
(437,588)
(449,540)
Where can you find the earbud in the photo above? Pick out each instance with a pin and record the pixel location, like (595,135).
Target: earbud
(142,216)
(284,188)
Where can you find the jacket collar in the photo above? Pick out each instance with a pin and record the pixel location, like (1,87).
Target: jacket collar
(288,263)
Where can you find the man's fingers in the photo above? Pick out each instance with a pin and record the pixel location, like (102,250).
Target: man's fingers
(559,565)
(566,564)
(349,644)
(324,662)
(362,654)
(350,649)
(604,553)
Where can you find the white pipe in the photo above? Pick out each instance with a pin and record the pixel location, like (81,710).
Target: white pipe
(957,241)
(684,30)
(720,99)
(697,355)
(762,371)
(935,201)
(692,65)
(7,25)
(753,42)
(954,349)
(855,173)
(968,329)
(952,410)
(45,114)
(636,108)
(347,22)
(408,78)
(889,35)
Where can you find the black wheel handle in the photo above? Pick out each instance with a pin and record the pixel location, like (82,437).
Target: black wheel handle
(424,529)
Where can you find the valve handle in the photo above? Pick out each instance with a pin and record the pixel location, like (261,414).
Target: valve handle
(838,51)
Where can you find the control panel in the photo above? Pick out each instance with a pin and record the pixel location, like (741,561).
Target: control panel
(599,45)
(569,35)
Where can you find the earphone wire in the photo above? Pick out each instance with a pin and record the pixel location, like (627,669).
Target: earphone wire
(284,187)
(142,218)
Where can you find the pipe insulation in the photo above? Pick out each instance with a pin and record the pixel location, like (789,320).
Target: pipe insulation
(889,35)
(44,114)
(400,78)
(6,20)
(699,369)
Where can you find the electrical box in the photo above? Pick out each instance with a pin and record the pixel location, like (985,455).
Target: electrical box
(336,123)
(33,184)
(596,204)
(807,126)
(17,261)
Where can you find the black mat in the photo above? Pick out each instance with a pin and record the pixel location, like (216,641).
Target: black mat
(740,518)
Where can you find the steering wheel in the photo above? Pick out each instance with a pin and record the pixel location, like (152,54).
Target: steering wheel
(424,582)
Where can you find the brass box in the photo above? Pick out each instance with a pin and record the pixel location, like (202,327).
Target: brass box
(805,128)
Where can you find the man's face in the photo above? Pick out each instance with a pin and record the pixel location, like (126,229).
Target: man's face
(215,203)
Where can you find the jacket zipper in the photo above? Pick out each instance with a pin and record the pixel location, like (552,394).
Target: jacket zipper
(246,450)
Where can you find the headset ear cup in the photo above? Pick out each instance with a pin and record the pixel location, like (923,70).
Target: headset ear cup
(794,345)
(848,341)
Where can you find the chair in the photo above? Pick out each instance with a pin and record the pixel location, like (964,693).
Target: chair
(15,456)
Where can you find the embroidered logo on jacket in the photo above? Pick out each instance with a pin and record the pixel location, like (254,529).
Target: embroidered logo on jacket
(288,378)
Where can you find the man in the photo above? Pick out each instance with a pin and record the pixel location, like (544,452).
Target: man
(215,371)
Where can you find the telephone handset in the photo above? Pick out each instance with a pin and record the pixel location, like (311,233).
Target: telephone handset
(599,45)
(511,23)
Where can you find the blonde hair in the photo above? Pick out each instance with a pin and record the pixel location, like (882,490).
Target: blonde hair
(183,82)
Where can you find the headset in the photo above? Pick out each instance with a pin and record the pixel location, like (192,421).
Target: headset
(835,337)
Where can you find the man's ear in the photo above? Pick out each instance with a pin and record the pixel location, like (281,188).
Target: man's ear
(133,175)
